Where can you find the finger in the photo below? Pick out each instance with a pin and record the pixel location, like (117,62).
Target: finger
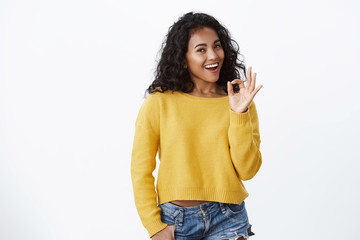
(237,81)
(256,90)
(230,88)
(249,79)
(253,83)
(241,84)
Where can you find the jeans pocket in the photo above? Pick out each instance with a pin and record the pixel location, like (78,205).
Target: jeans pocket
(235,208)
(167,217)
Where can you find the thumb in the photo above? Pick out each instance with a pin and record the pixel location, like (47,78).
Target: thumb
(242,84)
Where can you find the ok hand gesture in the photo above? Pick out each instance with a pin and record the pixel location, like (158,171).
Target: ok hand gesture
(240,101)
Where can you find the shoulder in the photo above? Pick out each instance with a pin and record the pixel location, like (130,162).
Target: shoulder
(155,101)
(158,97)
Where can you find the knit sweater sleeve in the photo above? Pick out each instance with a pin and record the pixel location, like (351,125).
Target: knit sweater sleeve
(143,163)
(244,142)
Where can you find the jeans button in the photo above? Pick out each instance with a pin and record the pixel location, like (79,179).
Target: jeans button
(204,208)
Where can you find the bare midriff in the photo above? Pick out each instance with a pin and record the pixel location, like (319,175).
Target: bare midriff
(187,203)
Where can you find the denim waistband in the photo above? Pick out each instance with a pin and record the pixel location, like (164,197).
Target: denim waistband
(206,207)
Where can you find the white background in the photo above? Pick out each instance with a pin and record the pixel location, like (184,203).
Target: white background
(72,77)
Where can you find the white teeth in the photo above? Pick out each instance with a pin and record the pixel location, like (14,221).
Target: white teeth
(212,65)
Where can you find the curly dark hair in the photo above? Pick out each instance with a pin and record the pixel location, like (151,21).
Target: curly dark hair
(170,73)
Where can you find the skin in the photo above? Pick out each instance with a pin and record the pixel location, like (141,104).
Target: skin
(204,48)
(210,51)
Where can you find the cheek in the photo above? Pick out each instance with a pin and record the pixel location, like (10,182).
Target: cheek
(195,61)
(221,54)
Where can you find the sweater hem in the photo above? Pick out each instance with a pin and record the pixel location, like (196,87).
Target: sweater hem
(201,194)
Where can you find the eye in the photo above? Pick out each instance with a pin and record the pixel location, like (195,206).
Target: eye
(200,50)
(217,46)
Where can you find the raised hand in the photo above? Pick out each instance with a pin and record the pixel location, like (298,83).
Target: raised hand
(240,101)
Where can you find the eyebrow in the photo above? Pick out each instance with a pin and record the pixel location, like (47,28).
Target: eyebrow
(204,44)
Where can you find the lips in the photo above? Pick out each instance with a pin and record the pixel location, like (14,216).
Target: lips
(212,67)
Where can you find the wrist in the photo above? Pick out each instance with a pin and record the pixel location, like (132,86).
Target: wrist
(240,111)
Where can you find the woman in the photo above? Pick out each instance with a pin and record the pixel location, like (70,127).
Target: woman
(205,132)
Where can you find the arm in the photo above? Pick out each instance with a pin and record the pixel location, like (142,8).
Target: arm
(143,163)
(244,142)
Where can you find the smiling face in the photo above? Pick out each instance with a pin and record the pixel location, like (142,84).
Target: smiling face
(204,56)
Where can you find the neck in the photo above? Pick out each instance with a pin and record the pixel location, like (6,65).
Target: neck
(213,90)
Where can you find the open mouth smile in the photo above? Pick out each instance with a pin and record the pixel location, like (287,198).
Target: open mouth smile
(212,67)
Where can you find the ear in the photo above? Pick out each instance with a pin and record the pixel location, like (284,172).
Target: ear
(185,64)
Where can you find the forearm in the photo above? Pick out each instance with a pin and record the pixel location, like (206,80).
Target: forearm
(244,142)
(143,163)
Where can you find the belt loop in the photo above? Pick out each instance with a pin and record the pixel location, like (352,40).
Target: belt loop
(181,216)
(222,207)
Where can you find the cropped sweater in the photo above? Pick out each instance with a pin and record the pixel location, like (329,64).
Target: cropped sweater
(204,148)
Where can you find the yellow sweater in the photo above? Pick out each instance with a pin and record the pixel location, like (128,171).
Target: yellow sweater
(205,151)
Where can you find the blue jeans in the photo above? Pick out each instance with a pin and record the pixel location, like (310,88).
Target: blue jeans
(207,221)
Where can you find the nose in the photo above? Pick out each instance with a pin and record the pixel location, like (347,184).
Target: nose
(212,55)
